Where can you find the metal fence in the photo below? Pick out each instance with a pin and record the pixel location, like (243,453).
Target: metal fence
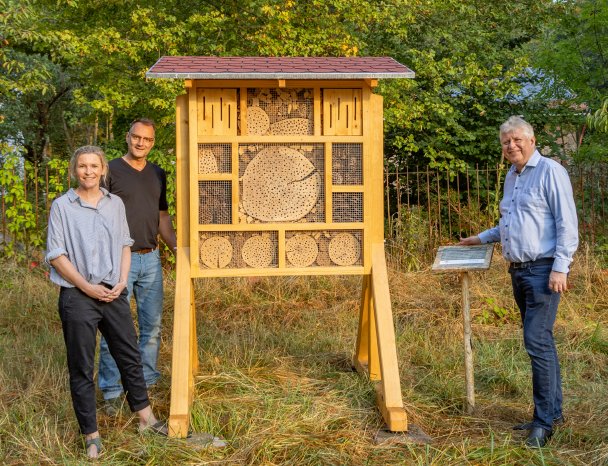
(427,208)
(424,208)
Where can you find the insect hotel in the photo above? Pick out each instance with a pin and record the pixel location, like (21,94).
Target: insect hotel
(280,172)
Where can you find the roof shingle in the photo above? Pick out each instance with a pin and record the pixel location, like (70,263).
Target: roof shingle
(191,67)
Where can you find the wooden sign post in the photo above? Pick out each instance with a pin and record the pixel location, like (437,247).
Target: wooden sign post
(280,172)
(462,259)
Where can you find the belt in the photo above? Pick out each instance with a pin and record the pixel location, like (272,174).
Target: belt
(144,251)
(523,265)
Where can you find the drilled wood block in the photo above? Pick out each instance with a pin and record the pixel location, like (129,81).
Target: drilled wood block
(258,251)
(344,249)
(280,185)
(216,252)
(301,250)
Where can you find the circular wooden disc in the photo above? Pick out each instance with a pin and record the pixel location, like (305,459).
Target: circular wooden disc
(207,162)
(258,121)
(258,251)
(216,252)
(280,185)
(291,126)
(344,249)
(301,250)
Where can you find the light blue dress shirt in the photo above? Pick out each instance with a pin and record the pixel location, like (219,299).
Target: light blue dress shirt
(92,238)
(537,215)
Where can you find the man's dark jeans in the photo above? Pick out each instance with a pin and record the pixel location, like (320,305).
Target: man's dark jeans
(538,307)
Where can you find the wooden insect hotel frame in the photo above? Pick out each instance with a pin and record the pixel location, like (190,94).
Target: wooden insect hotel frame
(280,172)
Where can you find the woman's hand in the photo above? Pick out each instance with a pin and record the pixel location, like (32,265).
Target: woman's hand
(99,292)
(118,288)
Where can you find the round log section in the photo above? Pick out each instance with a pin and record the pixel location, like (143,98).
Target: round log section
(216,252)
(280,185)
(301,250)
(344,249)
(258,251)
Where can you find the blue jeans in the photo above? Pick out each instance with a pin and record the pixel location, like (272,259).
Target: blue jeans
(145,283)
(538,307)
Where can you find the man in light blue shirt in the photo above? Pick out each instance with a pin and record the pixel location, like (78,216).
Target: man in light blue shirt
(538,230)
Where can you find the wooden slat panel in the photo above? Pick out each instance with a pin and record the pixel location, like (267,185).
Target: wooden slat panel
(216,112)
(342,112)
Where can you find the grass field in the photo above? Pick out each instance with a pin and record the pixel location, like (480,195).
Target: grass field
(276,380)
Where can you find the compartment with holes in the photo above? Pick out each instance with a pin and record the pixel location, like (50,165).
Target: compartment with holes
(280,112)
(217,112)
(214,202)
(347,164)
(281,183)
(214,158)
(236,249)
(342,112)
(327,248)
(347,207)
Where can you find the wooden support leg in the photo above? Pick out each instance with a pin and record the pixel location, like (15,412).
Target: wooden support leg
(366,359)
(389,389)
(184,348)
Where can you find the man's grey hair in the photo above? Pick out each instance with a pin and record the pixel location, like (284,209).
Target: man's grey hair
(89,150)
(516,122)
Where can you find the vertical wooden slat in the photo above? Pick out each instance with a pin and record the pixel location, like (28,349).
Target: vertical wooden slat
(428,204)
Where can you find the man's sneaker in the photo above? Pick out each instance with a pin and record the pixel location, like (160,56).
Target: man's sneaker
(113,406)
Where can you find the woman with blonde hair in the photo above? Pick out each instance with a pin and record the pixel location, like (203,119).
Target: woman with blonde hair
(88,249)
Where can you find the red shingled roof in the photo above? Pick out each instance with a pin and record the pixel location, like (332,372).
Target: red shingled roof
(278,68)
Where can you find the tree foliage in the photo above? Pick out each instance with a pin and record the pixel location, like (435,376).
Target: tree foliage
(74,71)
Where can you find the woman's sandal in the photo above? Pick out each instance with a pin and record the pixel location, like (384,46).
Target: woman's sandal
(159,428)
(93,441)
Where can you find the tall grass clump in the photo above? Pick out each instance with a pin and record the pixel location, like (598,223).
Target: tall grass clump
(276,380)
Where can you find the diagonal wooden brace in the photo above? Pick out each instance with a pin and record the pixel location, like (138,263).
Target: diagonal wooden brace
(376,351)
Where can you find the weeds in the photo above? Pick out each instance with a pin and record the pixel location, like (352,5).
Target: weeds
(276,381)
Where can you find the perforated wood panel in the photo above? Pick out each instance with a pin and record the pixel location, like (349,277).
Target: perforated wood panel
(279,111)
(214,158)
(281,183)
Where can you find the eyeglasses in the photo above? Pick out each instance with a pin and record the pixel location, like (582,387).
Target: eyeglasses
(135,138)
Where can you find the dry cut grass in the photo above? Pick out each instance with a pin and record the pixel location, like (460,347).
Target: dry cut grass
(276,379)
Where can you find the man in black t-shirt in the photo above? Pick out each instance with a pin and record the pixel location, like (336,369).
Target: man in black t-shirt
(142,186)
